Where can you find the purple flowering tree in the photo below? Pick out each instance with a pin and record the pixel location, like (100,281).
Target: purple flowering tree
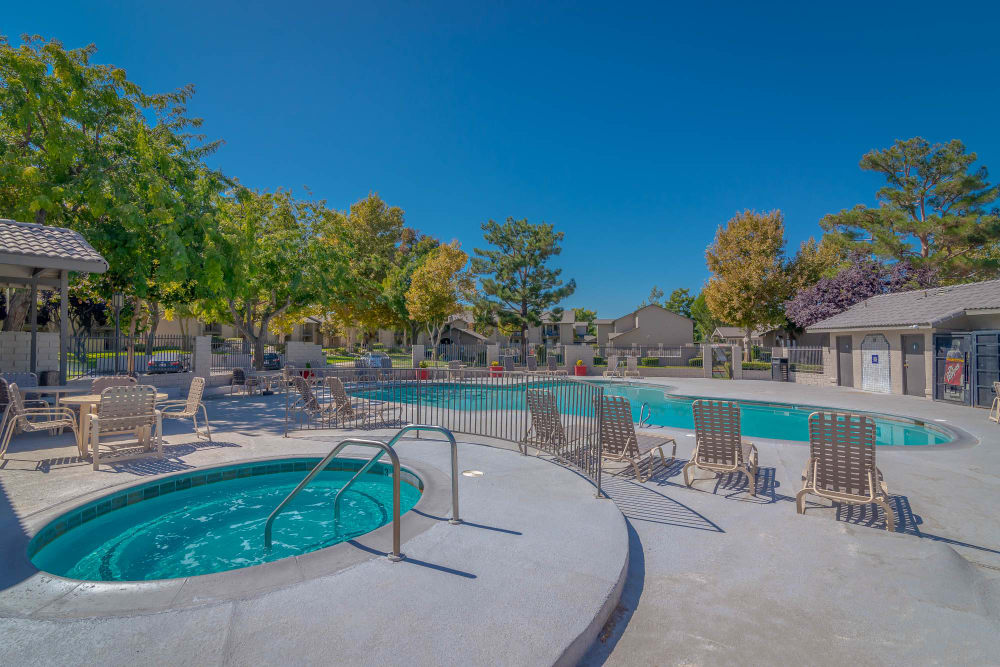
(864,278)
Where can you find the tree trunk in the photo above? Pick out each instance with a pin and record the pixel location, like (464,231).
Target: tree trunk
(746,346)
(154,322)
(17,310)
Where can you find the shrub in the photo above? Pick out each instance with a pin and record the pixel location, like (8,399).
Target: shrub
(600,361)
(756,366)
(649,361)
(695,361)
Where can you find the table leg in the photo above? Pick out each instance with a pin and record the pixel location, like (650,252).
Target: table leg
(84,429)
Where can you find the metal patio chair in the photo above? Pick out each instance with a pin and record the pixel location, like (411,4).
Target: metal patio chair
(187,408)
(631,367)
(98,385)
(126,410)
(995,408)
(719,447)
(20,418)
(612,370)
(841,465)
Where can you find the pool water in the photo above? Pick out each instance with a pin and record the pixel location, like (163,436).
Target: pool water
(219,526)
(762,420)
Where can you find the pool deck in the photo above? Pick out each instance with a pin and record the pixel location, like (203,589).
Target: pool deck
(714,576)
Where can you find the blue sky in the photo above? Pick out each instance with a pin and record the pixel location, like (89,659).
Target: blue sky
(636,131)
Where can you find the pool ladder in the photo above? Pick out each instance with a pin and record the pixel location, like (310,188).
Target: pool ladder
(384,448)
(645,414)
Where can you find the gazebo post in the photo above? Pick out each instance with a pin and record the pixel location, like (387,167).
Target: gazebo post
(63,325)
(33,316)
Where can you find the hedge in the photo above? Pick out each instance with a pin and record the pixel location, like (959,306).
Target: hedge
(649,361)
(695,361)
(756,365)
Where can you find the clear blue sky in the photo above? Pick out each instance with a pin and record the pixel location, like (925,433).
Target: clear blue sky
(637,130)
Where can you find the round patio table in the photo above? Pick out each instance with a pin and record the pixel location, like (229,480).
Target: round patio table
(87,404)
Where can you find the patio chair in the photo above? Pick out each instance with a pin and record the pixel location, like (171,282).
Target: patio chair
(98,385)
(240,379)
(546,432)
(553,367)
(347,408)
(620,442)
(188,408)
(306,403)
(719,448)
(995,408)
(841,465)
(19,418)
(532,364)
(612,370)
(632,367)
(5,400)
(508,364)
(126,410)
(24,380)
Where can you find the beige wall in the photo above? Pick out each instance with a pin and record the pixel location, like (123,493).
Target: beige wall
(657,326)
(896,370)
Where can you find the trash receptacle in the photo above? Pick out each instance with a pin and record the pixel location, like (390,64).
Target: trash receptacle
(48,378)
(779,369)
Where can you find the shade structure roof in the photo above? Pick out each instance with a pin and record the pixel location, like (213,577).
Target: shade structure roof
(29,250)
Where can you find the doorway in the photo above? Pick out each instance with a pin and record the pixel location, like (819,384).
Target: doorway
(914,368)
(845,362)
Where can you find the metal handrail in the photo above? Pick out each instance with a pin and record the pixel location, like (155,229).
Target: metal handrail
(644,408)
(454,520)
(393,555)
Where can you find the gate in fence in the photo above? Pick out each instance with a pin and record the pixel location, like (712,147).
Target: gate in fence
(91,356)
(475,402)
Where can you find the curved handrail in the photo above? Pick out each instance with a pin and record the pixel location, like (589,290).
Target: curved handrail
(454,520)
(644,408)
(395,554)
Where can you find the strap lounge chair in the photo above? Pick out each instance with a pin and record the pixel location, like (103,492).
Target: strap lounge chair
(98,385)
(632,367)
(841,465)
(346,408)
(306,405)
(508,364)
(621,443)
(995,408)
(188,408)
(719,448)
(546,432)
(532,364)
(553,367)
(18,417)
(612,370)
(126,410)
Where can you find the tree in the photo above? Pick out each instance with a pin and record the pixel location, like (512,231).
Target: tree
(437,289)
(588,316)
(414,251)
(704,322)
(655,294)
(277,258)
(680,302)
(517,283)
(750,282)
(933,211)
(863,278)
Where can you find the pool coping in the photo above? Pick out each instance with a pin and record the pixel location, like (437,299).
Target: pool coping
(961,439)
(45,595)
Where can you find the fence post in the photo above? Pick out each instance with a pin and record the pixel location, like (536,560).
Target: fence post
(492,354)
(706,360)
(201,362)
(600,441)
(737,362)
(417,353)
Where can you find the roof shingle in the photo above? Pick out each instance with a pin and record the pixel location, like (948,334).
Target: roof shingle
(48,247)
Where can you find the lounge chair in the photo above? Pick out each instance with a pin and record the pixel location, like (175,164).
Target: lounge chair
(546,432)
(841,465)
(532,364)
(240,379)
(719,448)
(612,370)
(98,385)
(19,418)
(306,403)
(632,367)
(508,364)
(346,408)
(620,443)
(553,367)
(126,410)
(188,408)
(995,408)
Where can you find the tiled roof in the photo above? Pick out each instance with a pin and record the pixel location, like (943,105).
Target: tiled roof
(923,307)
(42,246)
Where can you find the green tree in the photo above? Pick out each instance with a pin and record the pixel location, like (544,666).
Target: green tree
(749,282)
(277,258)
(517,283)
(934,211)
(679,302)
(588,316)
(413,253)
(704,322)
(655,295)
(437,289)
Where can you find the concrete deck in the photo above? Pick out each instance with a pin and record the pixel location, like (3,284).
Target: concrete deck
(714,576)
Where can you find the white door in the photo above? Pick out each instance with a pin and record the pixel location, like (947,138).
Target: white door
(875,364)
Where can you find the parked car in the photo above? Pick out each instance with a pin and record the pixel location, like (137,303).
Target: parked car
(272,361)
(373,360)
(170,362)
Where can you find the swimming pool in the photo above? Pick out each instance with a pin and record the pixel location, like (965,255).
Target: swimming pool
(762,420)
(213,520)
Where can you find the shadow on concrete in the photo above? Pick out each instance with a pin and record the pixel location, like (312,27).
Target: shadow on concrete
(635,580)
(738,484)
(468,523)
(415,561)
(641,503)
(12,549)
(170,463)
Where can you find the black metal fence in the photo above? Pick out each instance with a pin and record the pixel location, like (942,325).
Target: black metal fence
(485,403)
(231,353)
(91,356)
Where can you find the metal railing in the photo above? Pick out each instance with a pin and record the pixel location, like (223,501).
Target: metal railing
(484,402)
(231,353)
(92,356)
(393,555)
(805,359)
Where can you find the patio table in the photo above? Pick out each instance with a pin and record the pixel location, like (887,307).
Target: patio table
(88,404)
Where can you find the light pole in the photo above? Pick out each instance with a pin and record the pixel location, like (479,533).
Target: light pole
(117,303)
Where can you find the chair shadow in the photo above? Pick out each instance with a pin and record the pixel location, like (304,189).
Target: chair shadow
(171,461)
(641,503)
(729,485)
